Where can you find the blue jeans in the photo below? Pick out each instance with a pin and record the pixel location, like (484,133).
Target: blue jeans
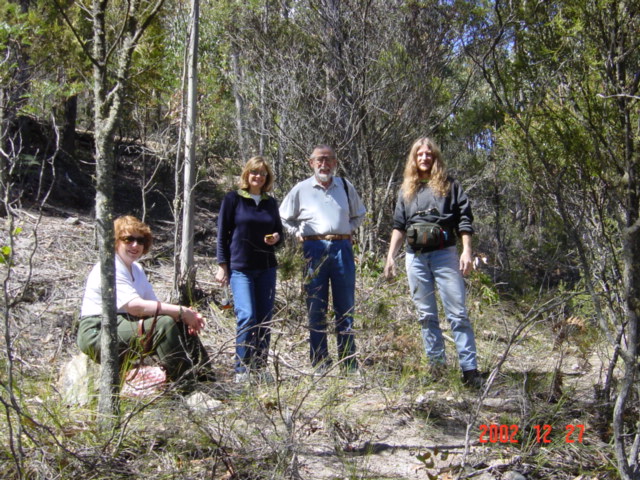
(330,262)
(254,292)
(441,268)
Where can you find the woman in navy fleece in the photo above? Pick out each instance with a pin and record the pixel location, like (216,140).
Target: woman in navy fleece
(249,227)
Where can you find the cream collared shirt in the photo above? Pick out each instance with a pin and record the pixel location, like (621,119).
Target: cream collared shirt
(310,209)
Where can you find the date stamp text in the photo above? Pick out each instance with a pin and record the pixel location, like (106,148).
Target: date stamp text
(499,433)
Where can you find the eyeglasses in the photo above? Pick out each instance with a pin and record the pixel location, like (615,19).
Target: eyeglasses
(258,173)
(324,158)
(129,239)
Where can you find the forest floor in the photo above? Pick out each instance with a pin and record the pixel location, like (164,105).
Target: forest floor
(389,422)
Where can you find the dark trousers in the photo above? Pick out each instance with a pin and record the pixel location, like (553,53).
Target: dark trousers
(177,351)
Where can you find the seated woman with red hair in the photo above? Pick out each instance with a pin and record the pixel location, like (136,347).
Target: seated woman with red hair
(173,337)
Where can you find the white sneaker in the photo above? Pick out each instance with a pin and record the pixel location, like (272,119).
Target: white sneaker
(242,377)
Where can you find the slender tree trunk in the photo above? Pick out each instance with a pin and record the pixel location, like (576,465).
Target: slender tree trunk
(501,251)
(621,68)
(177,181)
(107,403)
(187,272)
(264,111)
(239,101)
(4,160)
(69,126)
(626,449)
(109,372)
(108,93)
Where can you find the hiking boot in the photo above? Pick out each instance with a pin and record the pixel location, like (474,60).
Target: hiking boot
(472,379)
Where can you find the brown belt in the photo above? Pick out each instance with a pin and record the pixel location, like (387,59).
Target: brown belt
(329,237)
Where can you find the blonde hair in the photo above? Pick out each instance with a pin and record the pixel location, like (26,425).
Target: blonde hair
(255,163)
(438,181)
(130,225)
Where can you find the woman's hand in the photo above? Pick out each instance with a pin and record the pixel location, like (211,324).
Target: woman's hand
(466,257)
(222,275)
(272,238)
(390,268)
(466,263)
(397,237)
(194,321)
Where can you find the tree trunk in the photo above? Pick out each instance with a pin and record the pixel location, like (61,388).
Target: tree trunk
(239,101)
(177,182)
(187,273)
(626,454)
(69,126)
(4,160)
(109,361)
(104,128)
(109,83)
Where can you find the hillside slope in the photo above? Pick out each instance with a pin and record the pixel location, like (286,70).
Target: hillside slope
(389,423)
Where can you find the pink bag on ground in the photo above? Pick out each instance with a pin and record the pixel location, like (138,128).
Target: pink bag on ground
(144,381)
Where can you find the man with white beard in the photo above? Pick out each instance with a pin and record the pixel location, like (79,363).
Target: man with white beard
(323,211)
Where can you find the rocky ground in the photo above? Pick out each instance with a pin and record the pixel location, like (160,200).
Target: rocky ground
(390,422)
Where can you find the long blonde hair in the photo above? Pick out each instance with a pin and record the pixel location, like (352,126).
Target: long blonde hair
(438,181)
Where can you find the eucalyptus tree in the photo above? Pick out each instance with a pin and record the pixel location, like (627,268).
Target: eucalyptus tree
(566,76)
(187,273)
(117,28)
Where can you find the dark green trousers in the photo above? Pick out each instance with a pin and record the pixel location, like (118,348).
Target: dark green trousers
(179,353)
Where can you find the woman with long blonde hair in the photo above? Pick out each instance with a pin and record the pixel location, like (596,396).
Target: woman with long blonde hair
(432,212)
(249,228)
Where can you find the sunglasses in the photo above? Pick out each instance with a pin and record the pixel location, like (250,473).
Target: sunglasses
(129,239)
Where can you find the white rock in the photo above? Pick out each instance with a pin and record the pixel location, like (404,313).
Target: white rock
(513,476)
(77,379)
(200,402)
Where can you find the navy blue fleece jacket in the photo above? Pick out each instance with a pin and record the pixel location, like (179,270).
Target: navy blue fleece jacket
(242,226)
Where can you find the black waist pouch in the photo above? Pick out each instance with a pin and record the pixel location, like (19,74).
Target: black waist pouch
(427,236)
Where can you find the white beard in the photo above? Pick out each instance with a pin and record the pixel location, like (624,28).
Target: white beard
(325,177)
